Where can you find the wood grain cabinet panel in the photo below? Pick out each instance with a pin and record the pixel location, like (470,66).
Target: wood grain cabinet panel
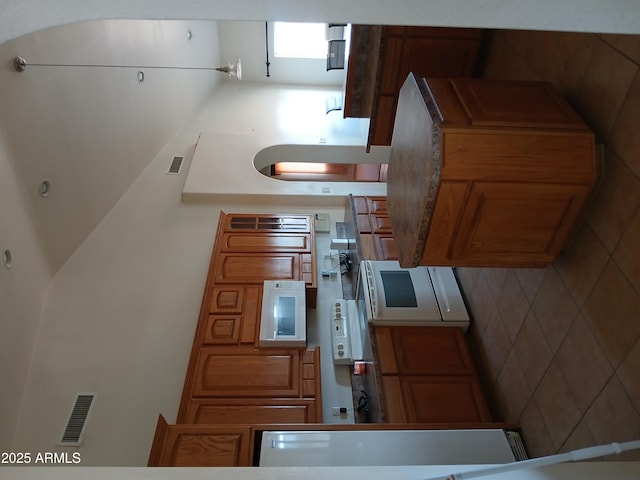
(223,329)
(385,247)
(428,376)
(234,315)
(224,372)
(427,51)
(265,242)
(253,411)
(444,399)
(431,351)
(184,445)
(255,268)
(374,228)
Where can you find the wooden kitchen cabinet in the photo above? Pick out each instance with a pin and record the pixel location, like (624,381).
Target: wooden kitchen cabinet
(374,228)
(253,411)
(234,315)
(255,268)
(226,372)
(183,445)
(229,376)
(385,56)
(265,242)
(487,173)
(267,222)
(250,249)
(428,376)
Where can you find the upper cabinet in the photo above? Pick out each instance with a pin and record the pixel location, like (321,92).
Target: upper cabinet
(253,248)
(386,55)
(230,379)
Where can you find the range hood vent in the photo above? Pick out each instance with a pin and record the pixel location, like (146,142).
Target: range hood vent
(77,419)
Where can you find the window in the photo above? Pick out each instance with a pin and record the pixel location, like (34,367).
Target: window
(299,40)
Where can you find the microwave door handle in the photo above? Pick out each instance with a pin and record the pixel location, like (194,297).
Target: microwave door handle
(441,290)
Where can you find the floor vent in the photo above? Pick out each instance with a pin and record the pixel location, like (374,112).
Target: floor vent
(517,445)
(77,419)
(176,166)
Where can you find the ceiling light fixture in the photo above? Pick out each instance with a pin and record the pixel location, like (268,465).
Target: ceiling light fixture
(232,69)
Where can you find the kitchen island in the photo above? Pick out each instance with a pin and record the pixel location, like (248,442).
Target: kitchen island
(486,173)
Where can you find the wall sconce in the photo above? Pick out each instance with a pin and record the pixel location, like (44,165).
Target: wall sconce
(232,69)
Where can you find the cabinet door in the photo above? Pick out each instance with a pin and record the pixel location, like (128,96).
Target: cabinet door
(517,224)
(431,351)
(253,411)
(266,223)
(265,242)
(228,372)
(380,223)
(377,205)
(234,315)
(437,398)
(423,351)
(200,446)
(256,267)
(439,57)
(385,247)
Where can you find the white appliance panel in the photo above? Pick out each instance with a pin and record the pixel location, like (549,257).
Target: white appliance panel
(384,447)
(438,296)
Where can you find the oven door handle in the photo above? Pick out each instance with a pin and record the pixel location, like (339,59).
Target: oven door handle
(441,291)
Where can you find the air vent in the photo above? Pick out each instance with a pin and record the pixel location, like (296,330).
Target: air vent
(77,419)
(517,445)
(176,166)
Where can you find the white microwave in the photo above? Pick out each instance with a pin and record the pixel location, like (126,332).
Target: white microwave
(283,322)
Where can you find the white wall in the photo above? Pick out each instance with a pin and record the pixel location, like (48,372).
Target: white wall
(90,132)
(247,41)
(255,125)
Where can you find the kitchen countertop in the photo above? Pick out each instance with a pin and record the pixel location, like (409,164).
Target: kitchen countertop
(362,69)
(414,169)
(367,383)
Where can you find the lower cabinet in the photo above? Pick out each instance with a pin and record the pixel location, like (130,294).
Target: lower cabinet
(434,399)
(428,376)
(184,445)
